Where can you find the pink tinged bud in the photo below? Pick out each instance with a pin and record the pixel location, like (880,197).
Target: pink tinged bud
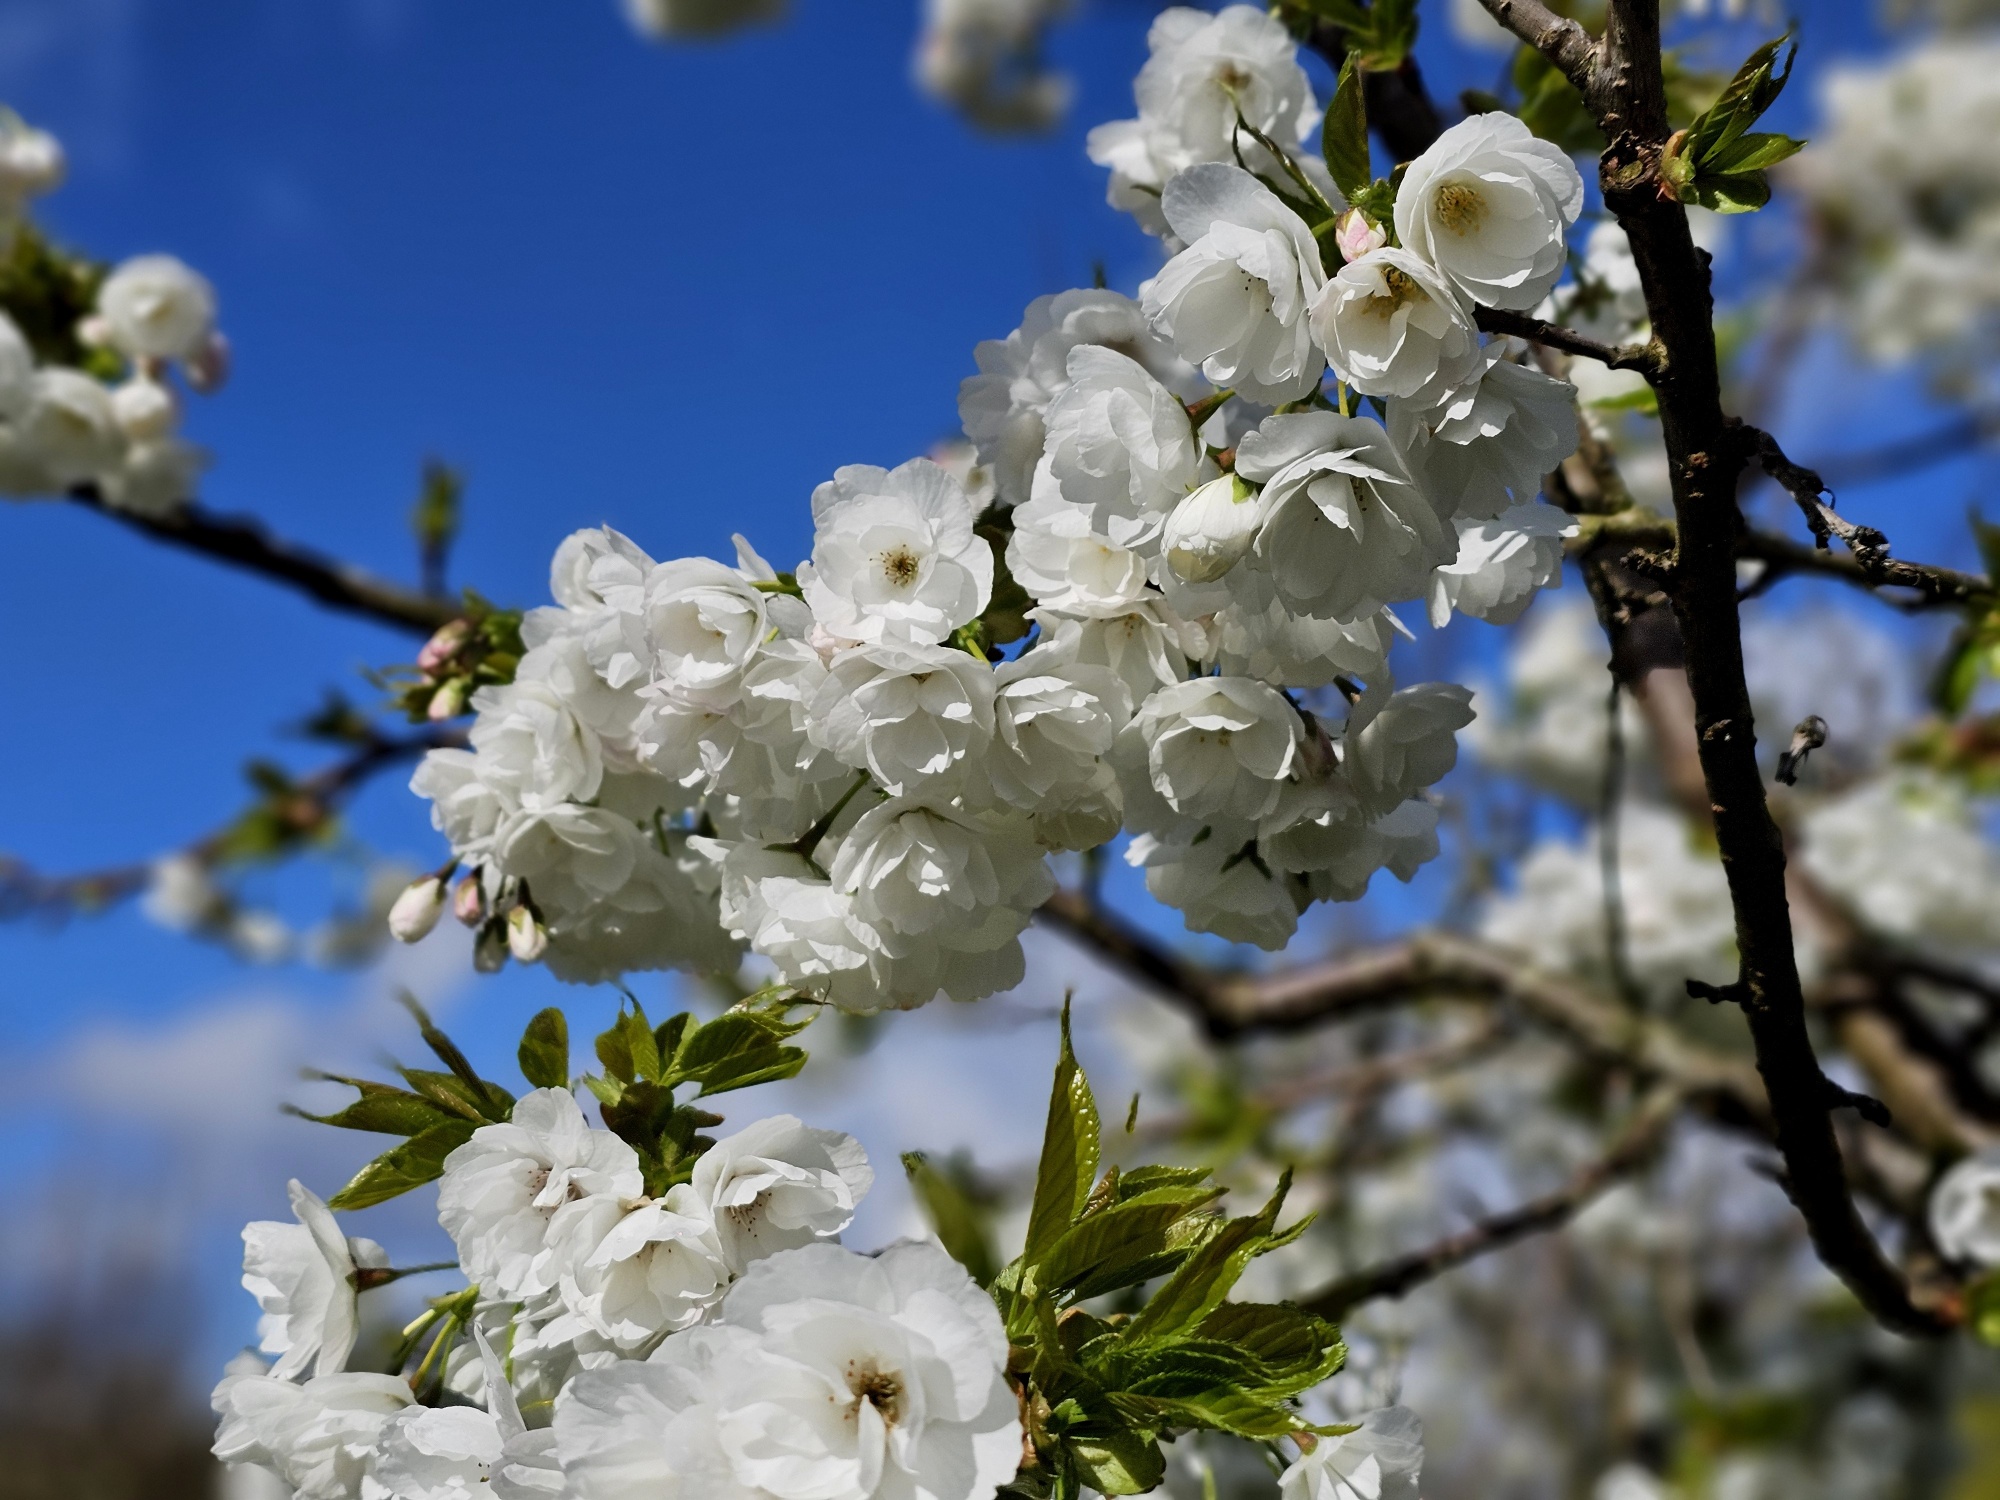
(1356,234)
(208,370)
(417,910)
(442,647)
(468,901)
(489,949)
(527,939)
(93,331)
(448,702)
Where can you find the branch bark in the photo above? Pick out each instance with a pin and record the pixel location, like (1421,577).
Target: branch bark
(1641,357)
(1622,81)
(245,544)
(1635,1144)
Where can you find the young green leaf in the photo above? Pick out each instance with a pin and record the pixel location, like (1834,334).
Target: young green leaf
(492,1101)
(544,1050)
(1718,162)
(734,1051)
(417,1161)
(959,1220)
(384,1109)
(1068,1166)
(1199,1286)
(1344,134)
(1118,1463)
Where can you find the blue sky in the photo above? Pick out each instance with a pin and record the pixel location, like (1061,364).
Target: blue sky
(666,288)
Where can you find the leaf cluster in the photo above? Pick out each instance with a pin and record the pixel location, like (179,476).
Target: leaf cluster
(437,1111)
(482,648)
(1378,35)
(1719,162)
(1102,1390)
(47,292)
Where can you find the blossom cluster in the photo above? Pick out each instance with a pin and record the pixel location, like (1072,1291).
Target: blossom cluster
(712,1336)
(62,427)
(857,769)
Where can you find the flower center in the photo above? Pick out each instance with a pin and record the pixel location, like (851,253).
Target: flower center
(1459,207)
(880,1388)
(1232,77)
(899,565)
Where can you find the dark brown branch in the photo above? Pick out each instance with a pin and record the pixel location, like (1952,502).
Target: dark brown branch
(1868,547)
(308,807)
(1399,107)
(1625,89)
(246,544)
(1641,357)
(1636,1143)
(1422,966)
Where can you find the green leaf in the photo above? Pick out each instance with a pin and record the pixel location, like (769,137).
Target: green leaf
(417,1161)
(448,1093)
(958,1218)
(1982,1307)
(1222,1409)
(385,1109)
(489,1099)
(1344,134)
(1118,1463)
(1754,152)
(734,1051)
(1718,162)
(544,1050)
(1296,1349)
(627,1049)
(1206,1278)
(1551,107)
(1068,1165)
(1113,1241)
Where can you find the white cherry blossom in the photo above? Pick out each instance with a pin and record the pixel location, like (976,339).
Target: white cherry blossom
(1502,564)
(776,1185)
(1397,743)
(1381,1459)
(155,307)
(303,1277)
(435,1453)
(1210,747)
(1965,1210)
(321,1438)
(1121,448)
(894,555)
(912,715)
(1392,326)
(1491,442)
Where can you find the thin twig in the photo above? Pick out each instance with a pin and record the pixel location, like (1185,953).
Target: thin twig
(1644,358)
(1616,948)
(1396,1277)
(246,544)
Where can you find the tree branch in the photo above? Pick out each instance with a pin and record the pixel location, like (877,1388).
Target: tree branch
(24,892)
(1706,454)
(1868,547)
(246,544)
(1641,357)
(1393,1278)
(1559,39)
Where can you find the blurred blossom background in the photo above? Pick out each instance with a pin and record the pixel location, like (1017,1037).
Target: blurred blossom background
(669,284)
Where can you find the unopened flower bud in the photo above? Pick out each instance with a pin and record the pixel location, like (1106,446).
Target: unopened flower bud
(448,702)
(93,332)
(417,910)
(489,949)
(468,901)
(145,410)
(527,939)
(443,646)
(31,161)
(1356,234)
(207,369)
(1211,529)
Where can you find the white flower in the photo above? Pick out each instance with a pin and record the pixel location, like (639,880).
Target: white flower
(1211,531)
(1004,404)
(635,1272)
(144,409)
(1235,302)
(182,896)
(17,370)
(533,747)
(894,555)
(31,161)
(1145,643)
(1210,747)
(1904,853)
(776,1185)
(928,877)
(1678,920)
(155,477)
(1381,1459)
(911,715)
(1203,69)
(788,911)
(1393,326)
(1055,721)
(303,1277)
(1066,565)
(1221,885)
(442,1453)
(1491,442)
(704,624)
(987,58)
(1487,204)
(830,1376)
(573,857)
(1344,530)
(1965,1210)
(154,307)
(1287,650)
(69,430)
(503,1188)
(1397,744)
(320,1437)
(1121,447)
(1502,564)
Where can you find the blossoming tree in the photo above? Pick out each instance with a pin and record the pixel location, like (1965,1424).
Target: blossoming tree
(1148,606)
